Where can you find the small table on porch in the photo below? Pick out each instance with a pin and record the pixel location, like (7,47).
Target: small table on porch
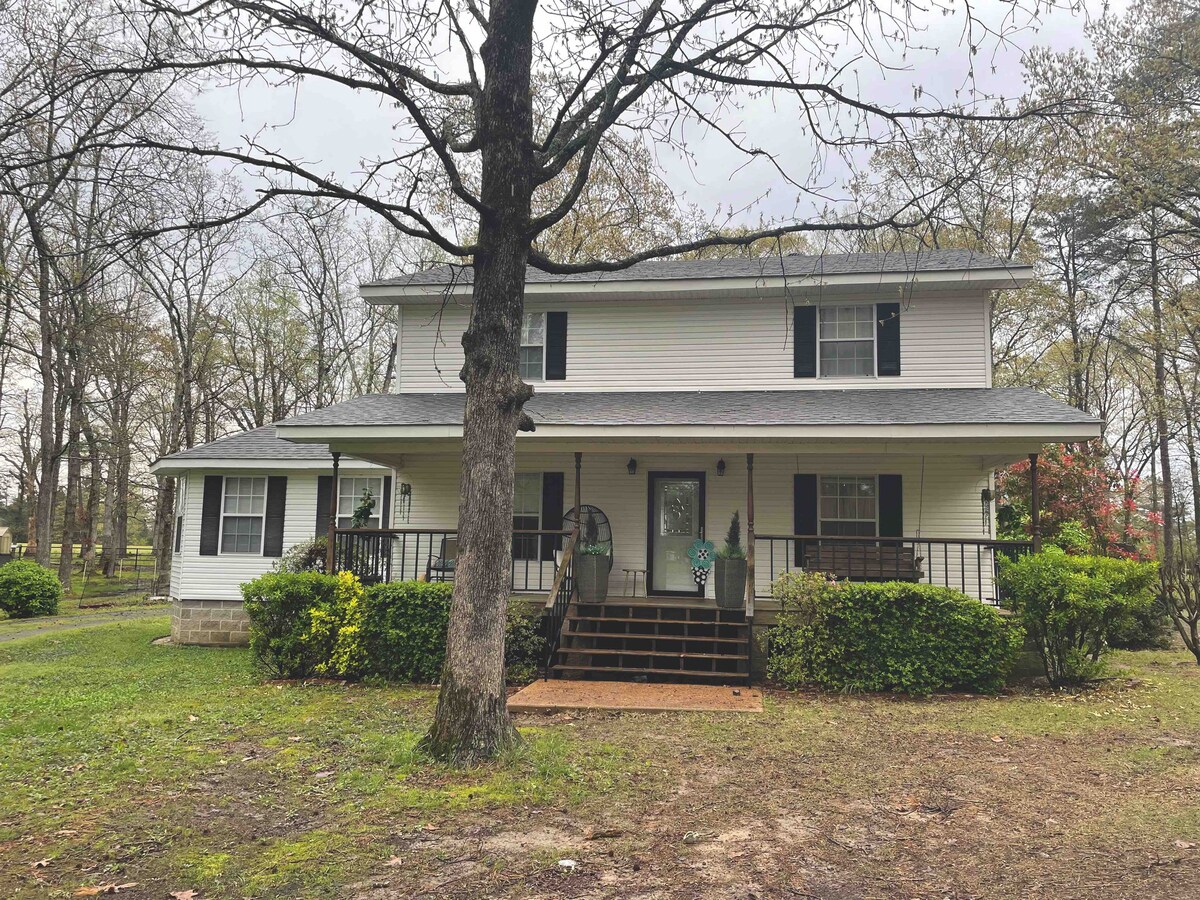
(635,573)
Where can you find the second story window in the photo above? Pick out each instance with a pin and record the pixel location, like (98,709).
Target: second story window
(847,341)
(533,347)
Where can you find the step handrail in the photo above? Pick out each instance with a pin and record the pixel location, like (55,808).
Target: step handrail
(557,603)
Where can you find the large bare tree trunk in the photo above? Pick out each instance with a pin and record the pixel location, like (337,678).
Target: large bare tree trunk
(471,722)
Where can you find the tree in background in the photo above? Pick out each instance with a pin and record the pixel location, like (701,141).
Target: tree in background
(1085,508)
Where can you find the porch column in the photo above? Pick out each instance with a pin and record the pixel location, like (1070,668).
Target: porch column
(333,511)
(578,487)
(749,535)
(1035,514)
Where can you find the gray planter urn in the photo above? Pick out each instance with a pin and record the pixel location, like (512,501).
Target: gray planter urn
(730,575)
(591,577)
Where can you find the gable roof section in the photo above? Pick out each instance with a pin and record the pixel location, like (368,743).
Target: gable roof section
(257,448)
(893,406)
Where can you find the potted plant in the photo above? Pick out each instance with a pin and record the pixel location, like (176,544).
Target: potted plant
(592,564)
(731,568)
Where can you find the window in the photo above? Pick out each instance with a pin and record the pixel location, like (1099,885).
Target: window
(533,347)
(180,507)
(848,505)
(847,341)
(350,494)
(242,511)
(527,513)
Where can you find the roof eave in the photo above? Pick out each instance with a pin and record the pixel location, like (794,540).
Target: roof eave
(1005,278)
(1047,432)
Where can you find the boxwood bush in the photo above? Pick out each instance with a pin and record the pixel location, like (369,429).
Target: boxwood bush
(27,589)
(893,636)
(1072,605)
(311,624)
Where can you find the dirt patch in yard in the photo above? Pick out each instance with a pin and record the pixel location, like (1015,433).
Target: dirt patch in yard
(851,798)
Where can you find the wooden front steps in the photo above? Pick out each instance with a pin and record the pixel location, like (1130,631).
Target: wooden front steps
(668,642)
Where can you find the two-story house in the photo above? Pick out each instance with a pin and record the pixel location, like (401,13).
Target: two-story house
(843,405)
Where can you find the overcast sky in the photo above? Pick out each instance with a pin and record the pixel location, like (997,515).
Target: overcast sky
(333,129)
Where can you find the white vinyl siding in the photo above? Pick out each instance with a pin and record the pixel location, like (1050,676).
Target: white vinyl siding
(743,344)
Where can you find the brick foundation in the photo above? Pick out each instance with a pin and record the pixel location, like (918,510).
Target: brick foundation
(212,623)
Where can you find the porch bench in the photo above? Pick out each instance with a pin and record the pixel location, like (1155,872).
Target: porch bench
(867,562)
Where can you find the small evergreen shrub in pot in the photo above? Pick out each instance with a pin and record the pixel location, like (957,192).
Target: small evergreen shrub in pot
(1070,605)
(731,568)
(27,589)
(592,564)
(894,636)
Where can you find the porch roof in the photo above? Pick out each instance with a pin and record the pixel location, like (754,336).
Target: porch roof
(893,412)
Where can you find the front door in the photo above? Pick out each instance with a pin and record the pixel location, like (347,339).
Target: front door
(676,521)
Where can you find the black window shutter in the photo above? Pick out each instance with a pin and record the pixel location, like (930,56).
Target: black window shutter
(891,506)
(804,510)
(804,354)
(887,339)
(178,533)
(276,511)
(556,346)
(552,511)
(324,486)
(210,515)
(385,517)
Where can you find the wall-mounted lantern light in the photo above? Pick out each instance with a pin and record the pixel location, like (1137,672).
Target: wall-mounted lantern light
(631,466)
(720,467)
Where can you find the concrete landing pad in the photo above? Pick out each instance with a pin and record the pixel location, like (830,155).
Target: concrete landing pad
(557,695)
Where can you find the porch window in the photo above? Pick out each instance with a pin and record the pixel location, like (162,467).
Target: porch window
(243,507)
(533,347)
(848,505)
(527,513)
(847,340)
(180,506)
(350,492)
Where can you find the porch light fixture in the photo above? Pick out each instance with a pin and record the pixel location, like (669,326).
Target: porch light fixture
(631,466)
(720,467)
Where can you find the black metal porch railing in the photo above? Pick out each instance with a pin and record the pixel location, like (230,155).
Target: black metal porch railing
(970,565)
(409,554)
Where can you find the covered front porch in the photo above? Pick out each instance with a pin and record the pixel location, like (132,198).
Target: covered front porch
(873,485)
(914,516)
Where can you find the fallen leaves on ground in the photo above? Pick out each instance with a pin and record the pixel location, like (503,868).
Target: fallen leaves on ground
(110,888)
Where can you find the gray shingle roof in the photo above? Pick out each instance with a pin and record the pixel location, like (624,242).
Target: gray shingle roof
(259,444)
(895,406)
(792,266)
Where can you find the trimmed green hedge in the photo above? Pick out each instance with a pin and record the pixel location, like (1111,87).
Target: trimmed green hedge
(310,624)
(894,636)
(1072,606)
(27,589)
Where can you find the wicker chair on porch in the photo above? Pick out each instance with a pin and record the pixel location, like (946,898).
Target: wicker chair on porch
(442,565)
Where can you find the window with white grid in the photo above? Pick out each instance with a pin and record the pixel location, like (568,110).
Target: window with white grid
(849,505)
(527,513)
(350,495)
(243,507)
(533,347)
(847,340)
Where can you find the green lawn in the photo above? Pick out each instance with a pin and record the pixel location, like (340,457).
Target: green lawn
(180,769)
